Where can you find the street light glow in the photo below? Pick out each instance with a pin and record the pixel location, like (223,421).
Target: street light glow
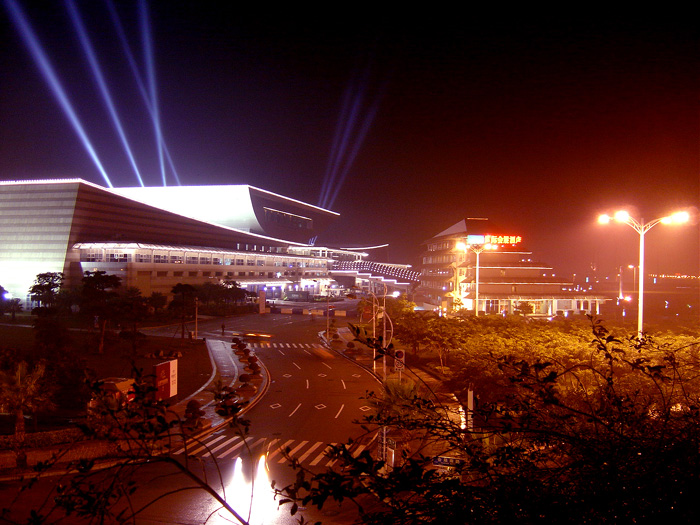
(622,216)
(677,218)
(642,228)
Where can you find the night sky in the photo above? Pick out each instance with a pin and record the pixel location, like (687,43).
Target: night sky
(539,126)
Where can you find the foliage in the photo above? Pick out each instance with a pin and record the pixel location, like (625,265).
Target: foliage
(24,390)
(609,434)
(143,432)
(45,288)
(524,308)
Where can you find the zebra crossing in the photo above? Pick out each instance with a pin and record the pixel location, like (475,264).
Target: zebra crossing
(283,346)
(230,447)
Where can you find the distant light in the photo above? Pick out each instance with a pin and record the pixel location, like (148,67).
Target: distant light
(604,219)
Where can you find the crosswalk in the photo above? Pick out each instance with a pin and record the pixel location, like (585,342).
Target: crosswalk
(228,447)
(282,346)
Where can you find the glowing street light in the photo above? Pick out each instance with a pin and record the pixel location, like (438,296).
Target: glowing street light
(642,228)
(477,249)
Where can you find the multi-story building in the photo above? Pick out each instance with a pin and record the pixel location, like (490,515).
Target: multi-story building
(472,265)
(154,238)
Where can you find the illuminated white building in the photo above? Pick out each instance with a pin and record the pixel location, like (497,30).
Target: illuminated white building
(508,276)
(154,238)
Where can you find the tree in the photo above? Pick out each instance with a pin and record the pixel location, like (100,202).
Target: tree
(143,432)
(45,288)
(99,300)
(14,306)
(443,336)
(186,293)
(157,301)
(524,308)
(611,438)
(23,390)
(3,299)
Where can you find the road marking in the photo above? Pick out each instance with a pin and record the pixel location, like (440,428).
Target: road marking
(339,411)
(279,449)
(326,364)
(344,387)
(358,450)
(293,411)
(222,445)
(293,451)
(281,352)
(307,384)
(311,449)
(322,455)
(306,351)
(296,365)
(199,448)
(243,442)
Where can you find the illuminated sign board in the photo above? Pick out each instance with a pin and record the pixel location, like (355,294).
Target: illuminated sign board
(494,239)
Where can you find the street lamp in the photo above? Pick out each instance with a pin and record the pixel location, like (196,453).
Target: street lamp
(477,249)
(385,343)
(642,228)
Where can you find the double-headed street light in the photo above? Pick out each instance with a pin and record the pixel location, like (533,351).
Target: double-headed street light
(642,228)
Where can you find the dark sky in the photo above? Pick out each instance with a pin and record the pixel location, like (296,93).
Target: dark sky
(539,126)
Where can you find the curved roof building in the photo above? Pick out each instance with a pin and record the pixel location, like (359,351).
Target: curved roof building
(155,237)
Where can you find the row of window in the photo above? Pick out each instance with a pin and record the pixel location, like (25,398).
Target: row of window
(444,245)
(118,257)
(439,259)
(231,275)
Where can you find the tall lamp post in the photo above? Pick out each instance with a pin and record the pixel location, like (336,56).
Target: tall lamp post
(642,228)
(477,249)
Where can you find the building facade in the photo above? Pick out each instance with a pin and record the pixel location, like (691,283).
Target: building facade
(73,226)
(473,266)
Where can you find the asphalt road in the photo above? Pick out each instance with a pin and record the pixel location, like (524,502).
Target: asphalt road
(315,397)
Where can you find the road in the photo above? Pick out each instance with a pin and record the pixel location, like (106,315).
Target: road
(315,395)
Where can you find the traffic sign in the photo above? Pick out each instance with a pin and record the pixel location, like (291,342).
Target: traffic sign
(447,461)
(399,360)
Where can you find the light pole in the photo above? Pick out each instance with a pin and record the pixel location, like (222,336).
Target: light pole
(642,228)
(385,343)
(477,249)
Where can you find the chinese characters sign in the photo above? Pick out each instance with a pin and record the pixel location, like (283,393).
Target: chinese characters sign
(494,239)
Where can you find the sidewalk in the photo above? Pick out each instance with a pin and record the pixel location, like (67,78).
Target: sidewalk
(226,366)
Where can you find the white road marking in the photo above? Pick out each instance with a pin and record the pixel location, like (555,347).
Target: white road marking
(339,411)
(322,455)
(236,447)
(311,449)
(279,449)
(293,411)
(293,451)
(222,445)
